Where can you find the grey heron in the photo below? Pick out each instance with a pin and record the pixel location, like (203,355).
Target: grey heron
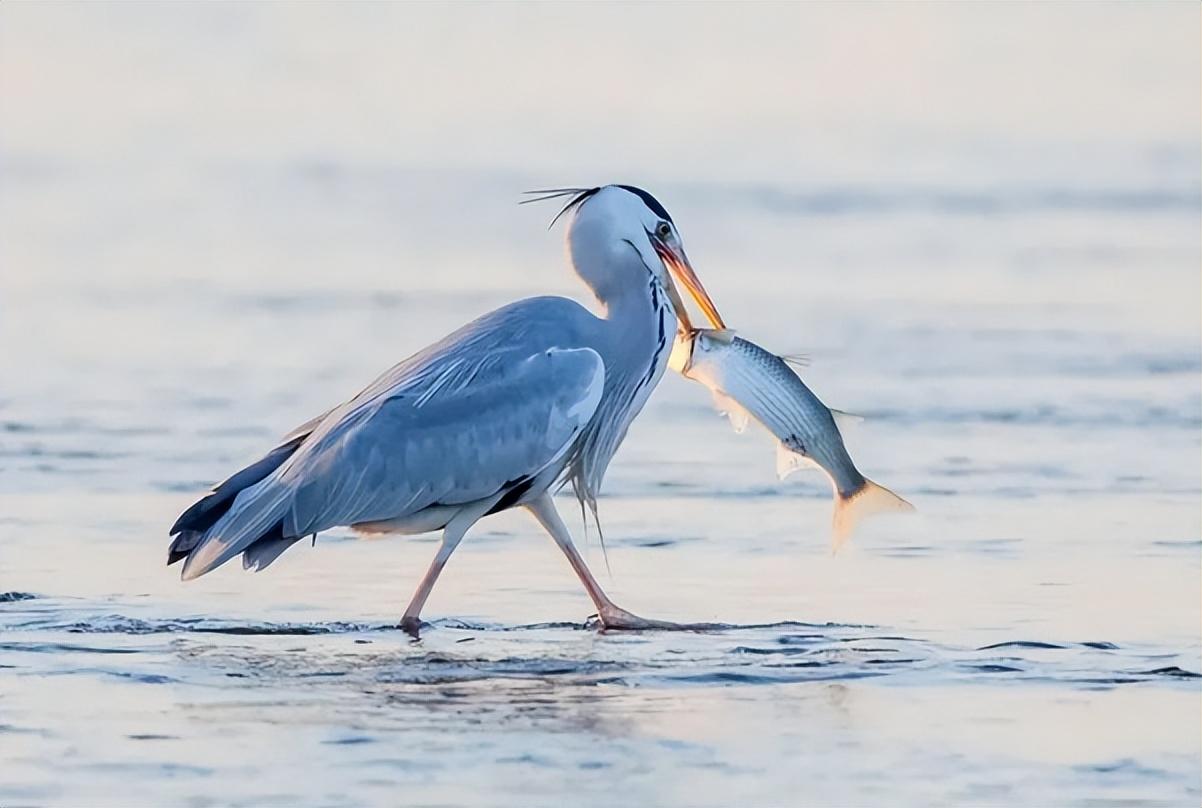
(497,415)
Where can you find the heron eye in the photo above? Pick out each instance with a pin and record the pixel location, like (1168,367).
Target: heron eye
(664,230)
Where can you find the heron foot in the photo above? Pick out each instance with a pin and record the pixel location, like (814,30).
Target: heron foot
(618,619)
(411,625)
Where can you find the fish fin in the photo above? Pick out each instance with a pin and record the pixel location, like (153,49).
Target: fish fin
(870,499)
(797,360)
(846,419)
(723,335)
(733,410)
(789,461)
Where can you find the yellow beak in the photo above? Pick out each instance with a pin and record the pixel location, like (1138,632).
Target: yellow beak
(680,268)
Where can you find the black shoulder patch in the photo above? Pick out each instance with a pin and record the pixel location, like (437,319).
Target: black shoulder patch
(649,201)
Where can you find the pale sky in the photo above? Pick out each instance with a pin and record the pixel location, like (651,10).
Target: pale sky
(721,91)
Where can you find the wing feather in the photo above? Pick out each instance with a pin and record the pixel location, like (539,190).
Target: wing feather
(470,425)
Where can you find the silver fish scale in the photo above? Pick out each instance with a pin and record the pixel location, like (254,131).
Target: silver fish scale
(763,384)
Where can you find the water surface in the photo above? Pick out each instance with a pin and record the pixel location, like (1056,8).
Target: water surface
(1016,316)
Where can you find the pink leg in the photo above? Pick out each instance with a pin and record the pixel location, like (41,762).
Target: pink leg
(610,614)
(411,621)
(452,534)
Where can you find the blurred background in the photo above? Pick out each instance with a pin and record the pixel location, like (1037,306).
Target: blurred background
(981,221)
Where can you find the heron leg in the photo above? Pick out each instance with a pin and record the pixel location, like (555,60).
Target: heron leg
(452,534)
(411,622)
(610,614)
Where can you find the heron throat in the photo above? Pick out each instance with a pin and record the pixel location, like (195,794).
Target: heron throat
(635,341)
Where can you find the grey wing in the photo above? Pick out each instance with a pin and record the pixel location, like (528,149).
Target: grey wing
(475,423)
(491,405)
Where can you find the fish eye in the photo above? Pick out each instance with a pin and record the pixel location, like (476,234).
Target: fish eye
(663,230)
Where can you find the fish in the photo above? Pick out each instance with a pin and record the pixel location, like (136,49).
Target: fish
(749,383)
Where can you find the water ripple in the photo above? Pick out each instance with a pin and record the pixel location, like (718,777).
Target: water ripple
(718,654)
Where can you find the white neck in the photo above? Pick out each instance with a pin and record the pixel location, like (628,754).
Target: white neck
(635,340)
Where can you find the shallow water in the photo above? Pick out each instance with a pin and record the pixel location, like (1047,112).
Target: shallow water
(1021,334)
(218,711)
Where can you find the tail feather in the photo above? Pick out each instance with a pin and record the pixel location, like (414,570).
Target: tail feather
(183,544)
(194,528)
(255,514)
(205,512)
(870,499)
(259,555)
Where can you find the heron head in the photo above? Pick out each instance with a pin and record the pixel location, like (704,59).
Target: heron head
(617,234)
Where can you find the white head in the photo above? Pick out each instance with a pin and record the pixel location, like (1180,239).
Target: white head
(618,234)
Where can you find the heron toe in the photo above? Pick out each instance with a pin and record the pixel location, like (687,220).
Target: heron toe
(615,618)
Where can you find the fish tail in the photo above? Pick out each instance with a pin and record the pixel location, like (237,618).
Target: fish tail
(869,499)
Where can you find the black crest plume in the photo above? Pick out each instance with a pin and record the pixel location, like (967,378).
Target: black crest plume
(575,197)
